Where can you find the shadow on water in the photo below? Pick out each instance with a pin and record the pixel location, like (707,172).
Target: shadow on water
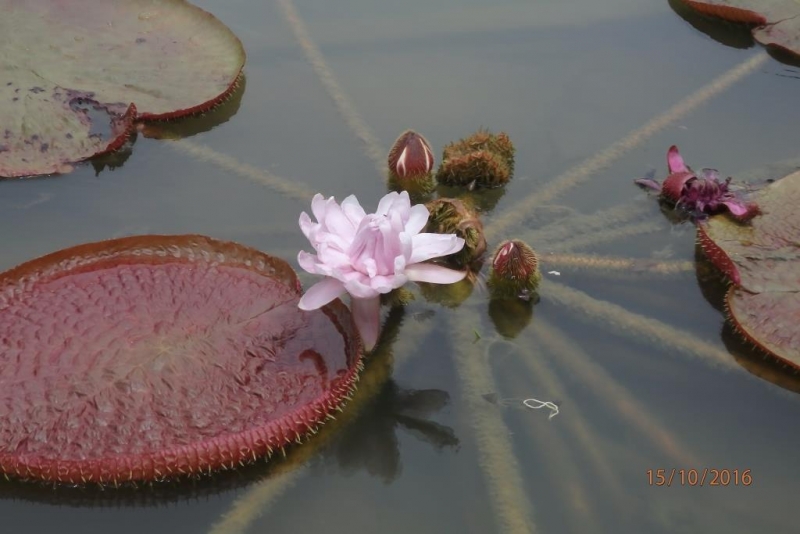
(371,442)
(727,33)
(200,122)
(174,129)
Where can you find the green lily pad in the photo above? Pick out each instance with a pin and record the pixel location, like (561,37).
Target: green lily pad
(74,76)
(763,261)
(776,22)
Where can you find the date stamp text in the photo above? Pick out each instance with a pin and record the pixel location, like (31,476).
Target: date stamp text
(699,477)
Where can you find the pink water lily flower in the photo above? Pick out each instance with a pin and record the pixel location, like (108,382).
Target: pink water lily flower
(700,195)
(366,255)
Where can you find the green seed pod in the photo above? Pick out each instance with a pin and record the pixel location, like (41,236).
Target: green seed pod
(452,216)
(515,271)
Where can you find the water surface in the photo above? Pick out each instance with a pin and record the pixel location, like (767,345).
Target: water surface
(565,80)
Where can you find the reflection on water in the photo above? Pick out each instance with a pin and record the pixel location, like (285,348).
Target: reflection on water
(371,442)
(564,80)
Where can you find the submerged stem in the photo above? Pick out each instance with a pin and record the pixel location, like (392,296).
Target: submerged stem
(615,265)
(568,480)
(633,325)
(497,459)
(605,387)
(372,147)
(584,170)
(291,188)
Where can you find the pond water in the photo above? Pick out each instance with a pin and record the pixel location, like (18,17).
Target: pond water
(644,372)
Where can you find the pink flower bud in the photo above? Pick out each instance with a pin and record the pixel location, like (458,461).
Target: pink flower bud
(410,156)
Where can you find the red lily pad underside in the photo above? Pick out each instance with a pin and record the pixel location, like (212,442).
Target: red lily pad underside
(74,75)
(763,259)
(140,358)
(776,22)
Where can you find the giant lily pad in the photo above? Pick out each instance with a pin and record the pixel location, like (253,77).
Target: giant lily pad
(145,357)
(75,75)
(776,22)
(763,261)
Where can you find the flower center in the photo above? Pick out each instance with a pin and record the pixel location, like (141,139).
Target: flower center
(376,245)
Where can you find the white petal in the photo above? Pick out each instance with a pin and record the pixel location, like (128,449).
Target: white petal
(320,294)
(417,219)
(435,274)
(427,246)
(367,316)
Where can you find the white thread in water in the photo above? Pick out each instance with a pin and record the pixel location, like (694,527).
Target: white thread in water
(542,404)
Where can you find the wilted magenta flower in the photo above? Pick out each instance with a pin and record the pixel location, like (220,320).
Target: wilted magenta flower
(369,254)
(411,155)
(699,195)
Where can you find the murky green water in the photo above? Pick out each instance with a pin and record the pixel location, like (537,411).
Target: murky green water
(440,441)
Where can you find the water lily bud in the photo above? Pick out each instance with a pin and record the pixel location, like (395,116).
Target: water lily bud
(515,271)
(483,159)
(410,156)
(452,216)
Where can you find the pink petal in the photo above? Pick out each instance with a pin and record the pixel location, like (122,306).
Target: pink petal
(435,274)
(675,161)
(337,223)
(672,188)
(353,210)
(417,219)
(359,289)
(320,294)
(395,202)
(427,246)
(308,262)
(306,226)
(367,316)
(736,208)
(319,207)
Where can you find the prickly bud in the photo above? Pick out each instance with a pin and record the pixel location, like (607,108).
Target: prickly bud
(410,156)
(481,168)
(483,159)
(452,216)
(515,271)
